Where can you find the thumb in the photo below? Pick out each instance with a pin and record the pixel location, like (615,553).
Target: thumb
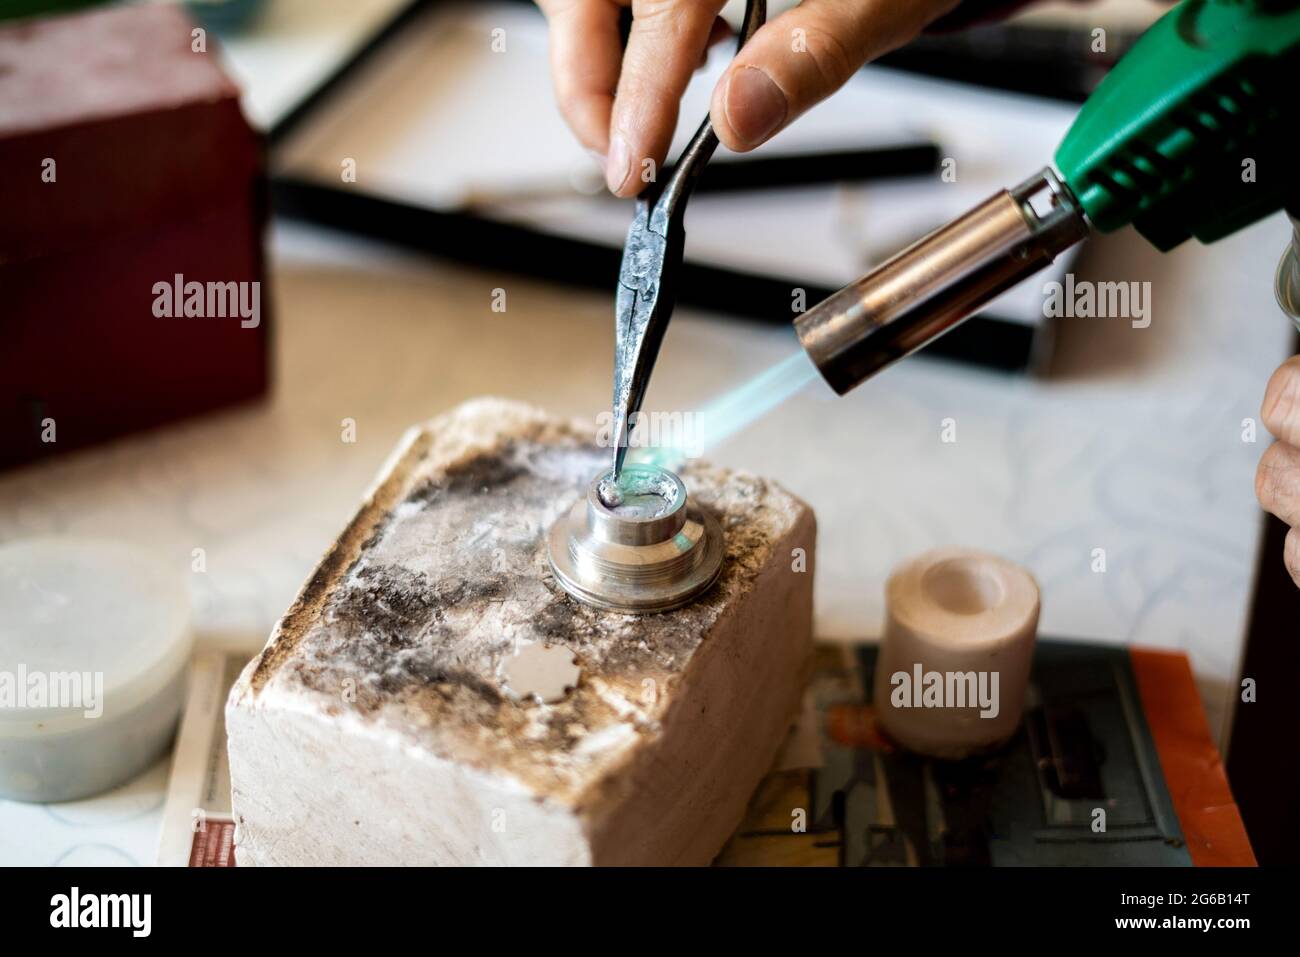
(805,55)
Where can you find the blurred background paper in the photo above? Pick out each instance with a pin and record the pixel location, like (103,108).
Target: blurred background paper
(283,51)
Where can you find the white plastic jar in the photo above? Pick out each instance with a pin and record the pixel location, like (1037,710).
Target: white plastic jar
(94,641)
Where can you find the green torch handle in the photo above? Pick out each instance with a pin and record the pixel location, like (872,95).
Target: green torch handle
(1192,134)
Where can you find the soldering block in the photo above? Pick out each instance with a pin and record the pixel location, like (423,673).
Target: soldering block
(376,726)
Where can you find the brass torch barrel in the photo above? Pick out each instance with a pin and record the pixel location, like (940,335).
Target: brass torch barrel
(940,280)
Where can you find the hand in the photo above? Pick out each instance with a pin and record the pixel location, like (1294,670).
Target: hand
(792,63)
(1277,483)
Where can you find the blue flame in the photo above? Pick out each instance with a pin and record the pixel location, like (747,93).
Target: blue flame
(729,413)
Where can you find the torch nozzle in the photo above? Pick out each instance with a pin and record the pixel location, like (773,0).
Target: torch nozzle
(940,280)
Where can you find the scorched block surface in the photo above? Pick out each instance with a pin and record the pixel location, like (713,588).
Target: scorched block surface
(376,727)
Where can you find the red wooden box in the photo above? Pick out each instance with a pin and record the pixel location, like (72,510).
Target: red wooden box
(125,163)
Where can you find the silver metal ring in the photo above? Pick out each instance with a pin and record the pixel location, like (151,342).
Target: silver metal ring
(653,550)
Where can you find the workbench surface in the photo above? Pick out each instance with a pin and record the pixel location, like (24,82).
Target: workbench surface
(1133,445)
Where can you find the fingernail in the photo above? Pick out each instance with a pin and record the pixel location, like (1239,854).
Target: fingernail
(755,105)
(619,165)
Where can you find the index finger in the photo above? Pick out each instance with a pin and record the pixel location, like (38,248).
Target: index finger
(667,39)
(586,50)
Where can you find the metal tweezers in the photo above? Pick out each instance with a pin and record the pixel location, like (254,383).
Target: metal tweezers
(647,280)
